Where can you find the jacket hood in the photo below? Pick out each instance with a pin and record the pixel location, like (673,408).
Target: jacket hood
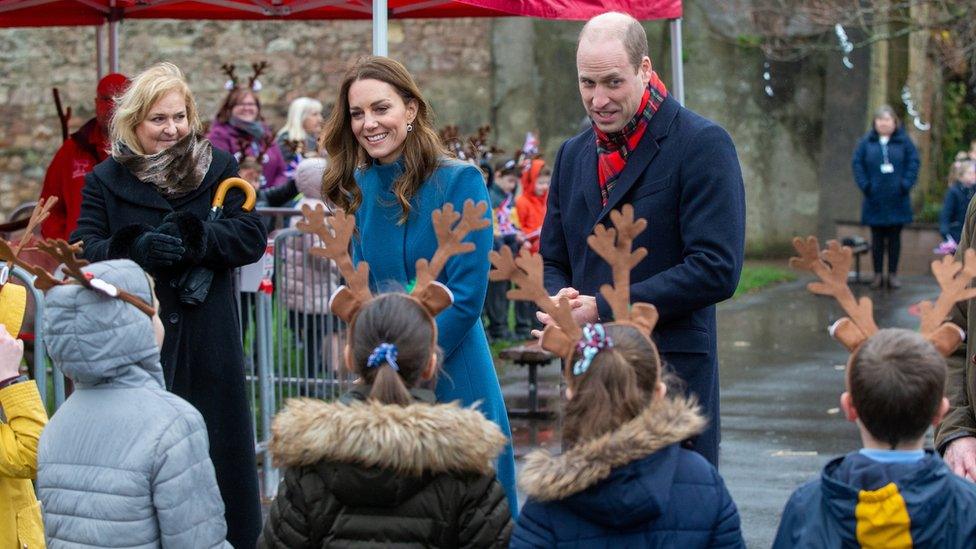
(95,338)
(409,440)
(308,177)
(896,500)
(597,477)
(89,138)
(529,177)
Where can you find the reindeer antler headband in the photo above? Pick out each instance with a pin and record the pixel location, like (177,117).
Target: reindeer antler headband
(66,254)
(831,267)
(450,227)
(613,245)
(253,83)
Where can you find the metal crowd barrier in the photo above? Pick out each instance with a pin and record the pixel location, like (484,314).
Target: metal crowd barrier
(292,343)
(39,368)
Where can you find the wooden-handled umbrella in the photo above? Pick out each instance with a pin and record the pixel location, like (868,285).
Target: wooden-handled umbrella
(195,282)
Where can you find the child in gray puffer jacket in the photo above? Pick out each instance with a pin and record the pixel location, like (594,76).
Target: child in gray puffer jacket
(123,462)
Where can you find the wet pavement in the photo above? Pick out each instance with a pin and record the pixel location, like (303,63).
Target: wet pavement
(781,380)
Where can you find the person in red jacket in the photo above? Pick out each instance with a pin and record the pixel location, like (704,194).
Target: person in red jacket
(77,156)
(531,204)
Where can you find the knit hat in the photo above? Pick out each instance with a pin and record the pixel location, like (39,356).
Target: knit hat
(13,304)
(308,176)
(112,84)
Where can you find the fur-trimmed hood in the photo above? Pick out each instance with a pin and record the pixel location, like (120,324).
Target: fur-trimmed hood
(411,440)
(665,422)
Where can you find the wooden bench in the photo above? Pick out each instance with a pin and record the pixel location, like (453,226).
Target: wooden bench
(860,247)
(532,357)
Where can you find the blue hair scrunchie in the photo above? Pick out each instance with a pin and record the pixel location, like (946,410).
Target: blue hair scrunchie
(594,340)
(384,353)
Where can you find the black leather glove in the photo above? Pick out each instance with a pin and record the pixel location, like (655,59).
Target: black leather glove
(155,250)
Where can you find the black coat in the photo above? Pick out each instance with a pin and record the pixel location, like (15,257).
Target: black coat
(374,475)
(202,355)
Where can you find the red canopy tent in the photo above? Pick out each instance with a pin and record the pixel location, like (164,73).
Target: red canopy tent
(37,13)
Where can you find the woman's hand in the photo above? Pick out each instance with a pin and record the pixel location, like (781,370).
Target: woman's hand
(11,353)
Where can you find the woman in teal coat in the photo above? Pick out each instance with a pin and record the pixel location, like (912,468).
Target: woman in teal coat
(387,166)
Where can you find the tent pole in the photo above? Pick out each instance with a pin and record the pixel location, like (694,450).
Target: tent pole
(677,63)
(99,51)
(380,22)
(113,46)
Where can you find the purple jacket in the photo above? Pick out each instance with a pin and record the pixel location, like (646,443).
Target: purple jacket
(225,137)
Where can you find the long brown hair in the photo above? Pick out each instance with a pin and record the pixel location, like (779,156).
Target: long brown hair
(422,150)
(616,387)
(400,320)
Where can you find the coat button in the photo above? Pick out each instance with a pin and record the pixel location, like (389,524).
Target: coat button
(174,318)
(174,283)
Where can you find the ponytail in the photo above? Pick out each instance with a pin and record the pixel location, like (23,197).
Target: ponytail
(605,397)
(388,388)
(612,382)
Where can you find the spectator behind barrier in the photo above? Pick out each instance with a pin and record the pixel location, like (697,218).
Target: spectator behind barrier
(121,437)
(309,280)
(892,492)
(24,418)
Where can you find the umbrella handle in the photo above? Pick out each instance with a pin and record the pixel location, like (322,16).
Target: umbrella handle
(235,183)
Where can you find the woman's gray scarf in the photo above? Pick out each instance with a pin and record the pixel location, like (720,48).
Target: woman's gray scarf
(175,172)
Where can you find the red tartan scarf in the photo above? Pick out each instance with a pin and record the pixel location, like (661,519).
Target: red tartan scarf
(614,148)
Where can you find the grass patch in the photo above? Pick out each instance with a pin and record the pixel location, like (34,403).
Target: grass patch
(755,278)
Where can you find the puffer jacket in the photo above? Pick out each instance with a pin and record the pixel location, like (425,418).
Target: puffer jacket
(20,512)
(307,280)
(632,487)
(374,475)
(123,462)
(859,502)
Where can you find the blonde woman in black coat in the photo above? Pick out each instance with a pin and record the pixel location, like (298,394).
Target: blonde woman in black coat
(148,202)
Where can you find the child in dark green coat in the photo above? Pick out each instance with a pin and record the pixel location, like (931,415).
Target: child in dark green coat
(387,466)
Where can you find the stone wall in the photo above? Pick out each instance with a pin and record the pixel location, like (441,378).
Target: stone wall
(450,59)
(518,74)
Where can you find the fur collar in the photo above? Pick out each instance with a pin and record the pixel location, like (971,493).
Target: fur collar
(414,439)
(546,477)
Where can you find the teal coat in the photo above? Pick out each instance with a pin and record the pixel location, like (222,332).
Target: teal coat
(392,251)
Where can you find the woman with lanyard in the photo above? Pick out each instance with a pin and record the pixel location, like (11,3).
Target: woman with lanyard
(885,168)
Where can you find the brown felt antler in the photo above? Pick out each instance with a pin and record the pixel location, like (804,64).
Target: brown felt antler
(41,212)
(348,299)
(526,271)
(953,278)
(67,255)
(614,246)
(258,70)
(451,228)
(231,72)
(831,267)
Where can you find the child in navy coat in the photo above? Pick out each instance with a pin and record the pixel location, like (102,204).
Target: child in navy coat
(957,200)
(624,480)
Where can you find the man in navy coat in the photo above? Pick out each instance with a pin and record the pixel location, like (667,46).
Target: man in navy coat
(681,173)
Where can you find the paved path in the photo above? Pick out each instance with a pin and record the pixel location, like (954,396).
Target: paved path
(781,380)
